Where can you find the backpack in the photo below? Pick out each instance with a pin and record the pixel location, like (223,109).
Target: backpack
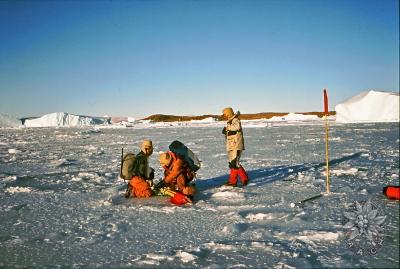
(127,165)
(186,154)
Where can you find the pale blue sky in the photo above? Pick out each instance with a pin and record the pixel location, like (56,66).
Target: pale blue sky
(137,58)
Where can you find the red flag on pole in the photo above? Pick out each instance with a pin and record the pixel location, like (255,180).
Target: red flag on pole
(326,110)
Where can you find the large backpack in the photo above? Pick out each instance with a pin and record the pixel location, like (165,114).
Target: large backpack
(186,154)
(127,165)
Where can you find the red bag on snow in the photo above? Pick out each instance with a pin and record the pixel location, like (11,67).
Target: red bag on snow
(179,199)
(392,192)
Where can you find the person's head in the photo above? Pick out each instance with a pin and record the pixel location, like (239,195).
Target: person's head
(147,147)
(227,112)
(165,159)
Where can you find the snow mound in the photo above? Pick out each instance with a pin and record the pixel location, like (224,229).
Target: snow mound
(254,217)
(13,151)
(185,256)
(369,106)
(60,119)
(295,117)
(228,195)
(8,121)
(318,236)
(18,189)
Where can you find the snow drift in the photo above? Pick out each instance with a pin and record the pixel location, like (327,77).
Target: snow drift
(8,121)
(295,117)
(369,106)
(65,119)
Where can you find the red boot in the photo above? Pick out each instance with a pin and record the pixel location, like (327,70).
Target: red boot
(244,178)
(233,177)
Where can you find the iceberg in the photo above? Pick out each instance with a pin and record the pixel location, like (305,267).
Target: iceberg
(369,106)
(61,119)
(8,121)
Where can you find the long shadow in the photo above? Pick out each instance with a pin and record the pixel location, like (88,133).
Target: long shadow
(267,175)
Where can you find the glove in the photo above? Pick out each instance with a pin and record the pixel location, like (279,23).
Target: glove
(150,182)
(224,131)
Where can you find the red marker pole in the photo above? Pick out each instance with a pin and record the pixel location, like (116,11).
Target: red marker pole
(326,114)
(326,110)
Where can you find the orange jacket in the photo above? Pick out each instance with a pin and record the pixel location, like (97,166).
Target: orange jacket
(177,173)
(140,188)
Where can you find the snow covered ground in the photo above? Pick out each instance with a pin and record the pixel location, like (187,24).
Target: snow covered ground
(61,201)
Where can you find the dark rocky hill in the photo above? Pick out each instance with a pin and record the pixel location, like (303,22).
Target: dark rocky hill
(263,115)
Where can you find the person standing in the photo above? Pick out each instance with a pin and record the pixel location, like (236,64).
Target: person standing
(143,175)
(234,145)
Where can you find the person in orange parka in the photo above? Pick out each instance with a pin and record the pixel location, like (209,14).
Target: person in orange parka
(141,182)
(176,173)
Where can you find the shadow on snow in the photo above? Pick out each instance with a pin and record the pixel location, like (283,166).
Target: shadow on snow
(267,175)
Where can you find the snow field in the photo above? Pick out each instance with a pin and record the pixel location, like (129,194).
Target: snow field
(62,205)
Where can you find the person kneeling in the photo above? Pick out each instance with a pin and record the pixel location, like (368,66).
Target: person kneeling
(143,175)
(177,174)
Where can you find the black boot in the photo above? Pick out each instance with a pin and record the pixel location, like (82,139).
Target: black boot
(128,191)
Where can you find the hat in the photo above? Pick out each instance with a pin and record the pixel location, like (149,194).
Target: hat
(146,144)
(228,112)
(165,158)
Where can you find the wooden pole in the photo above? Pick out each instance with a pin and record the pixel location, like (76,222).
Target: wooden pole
(326,112)
(122,161)
(327,154)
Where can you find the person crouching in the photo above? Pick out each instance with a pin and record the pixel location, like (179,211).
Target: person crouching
(177,174)
(143,175)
